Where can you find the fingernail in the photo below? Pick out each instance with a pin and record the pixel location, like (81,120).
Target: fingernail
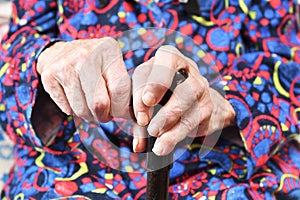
(135,143)
(148,99)
(153,129)
(142,119)
(157,149)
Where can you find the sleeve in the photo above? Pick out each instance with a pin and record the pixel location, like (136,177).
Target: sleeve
(263,84)
(33,26)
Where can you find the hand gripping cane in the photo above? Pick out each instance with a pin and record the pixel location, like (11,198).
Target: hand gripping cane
(159,166)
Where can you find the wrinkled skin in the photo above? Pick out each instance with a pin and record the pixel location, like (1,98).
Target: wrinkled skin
(88,78)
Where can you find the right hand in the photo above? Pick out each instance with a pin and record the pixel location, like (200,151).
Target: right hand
(87,78)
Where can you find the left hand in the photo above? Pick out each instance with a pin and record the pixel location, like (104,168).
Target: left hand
(190,110)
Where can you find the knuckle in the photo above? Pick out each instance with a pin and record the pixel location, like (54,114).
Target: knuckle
(192,64)
(109,42)
(197,94)
(188,124)
(205,82)
(83,53)
(168,49)
(202,90)
(40,64)
(209,107)
(47,78)
(170,141)
(173,114)
(119,90)
(64,69)
(120,84)
(171,52)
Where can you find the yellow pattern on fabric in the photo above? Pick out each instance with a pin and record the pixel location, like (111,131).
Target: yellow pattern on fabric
(60,10)
(293,50)
(23,67)
(284,127)
(203,21)
(100,190)
(2,107)
(257,81)
(39,161)
(283,177)
(243,6)
(121,14)
(4,69)
(277,83)
(19,196)
(295,114)
(237,49)
(19,132)
(252,15)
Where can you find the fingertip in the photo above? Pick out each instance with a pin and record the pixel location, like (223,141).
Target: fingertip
(163,146)
(158,149)
(153,130)
(135,143)
(138,145)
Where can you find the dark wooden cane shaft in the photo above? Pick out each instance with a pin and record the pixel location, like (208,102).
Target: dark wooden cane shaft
(157,184)
(159,166)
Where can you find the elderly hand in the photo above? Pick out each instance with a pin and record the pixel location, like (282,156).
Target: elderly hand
(87,78)
(193,110)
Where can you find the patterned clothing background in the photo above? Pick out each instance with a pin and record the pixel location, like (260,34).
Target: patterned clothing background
(6,157)
(6,146)
(254,46)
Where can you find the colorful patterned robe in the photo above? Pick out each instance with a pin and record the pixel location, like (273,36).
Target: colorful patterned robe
(253,44)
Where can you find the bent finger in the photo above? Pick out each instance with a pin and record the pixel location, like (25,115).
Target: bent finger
(56,92)
(183,98)
(139,138)
(189,122)
(139,78)
(77,101)
(168,60)
(116,77)
(97,98)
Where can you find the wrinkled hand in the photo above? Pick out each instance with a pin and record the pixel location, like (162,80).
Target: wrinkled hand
(87,78)
(193,110)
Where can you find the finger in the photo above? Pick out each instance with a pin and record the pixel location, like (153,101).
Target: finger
(56,92)
(183,98)
(93,86)
(187,126)
(120,93)
(97,96)
(139,78)
(77,100)
(116,77)
(139,138)
(168,60)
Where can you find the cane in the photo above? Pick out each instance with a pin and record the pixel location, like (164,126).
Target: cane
(159,166)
